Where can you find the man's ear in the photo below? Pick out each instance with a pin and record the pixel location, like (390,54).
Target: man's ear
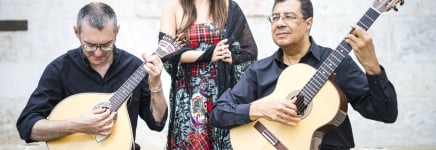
(118,29)
(76,31)
(309,22)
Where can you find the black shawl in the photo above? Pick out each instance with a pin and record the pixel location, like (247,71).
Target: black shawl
(242,46)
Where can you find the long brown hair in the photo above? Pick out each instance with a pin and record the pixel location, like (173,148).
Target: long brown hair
(217,10)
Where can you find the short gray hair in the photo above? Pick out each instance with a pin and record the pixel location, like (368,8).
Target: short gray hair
(97,14)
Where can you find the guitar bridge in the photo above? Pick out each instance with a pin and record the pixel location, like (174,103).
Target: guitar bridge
(269,136)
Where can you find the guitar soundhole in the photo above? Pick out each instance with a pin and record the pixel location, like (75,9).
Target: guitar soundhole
(105,105)
(102,105)
(307,111)
(304,111)
(303,108)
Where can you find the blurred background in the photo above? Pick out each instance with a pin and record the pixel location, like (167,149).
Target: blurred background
(404,40)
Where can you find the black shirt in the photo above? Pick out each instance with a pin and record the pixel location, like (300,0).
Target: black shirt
(373,96)
(71,74)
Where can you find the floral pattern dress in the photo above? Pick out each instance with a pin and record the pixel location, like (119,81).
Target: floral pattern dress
(196,86)
(194,94)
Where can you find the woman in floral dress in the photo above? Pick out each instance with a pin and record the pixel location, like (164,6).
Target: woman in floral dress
(219,47)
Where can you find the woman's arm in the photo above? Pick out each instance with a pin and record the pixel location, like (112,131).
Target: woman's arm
(170,20)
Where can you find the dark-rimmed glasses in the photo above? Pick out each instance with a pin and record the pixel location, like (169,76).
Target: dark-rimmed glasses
(93,48)
(287,17)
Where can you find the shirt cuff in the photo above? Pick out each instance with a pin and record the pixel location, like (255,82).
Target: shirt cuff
(27,129)
(379,81)
(241,115)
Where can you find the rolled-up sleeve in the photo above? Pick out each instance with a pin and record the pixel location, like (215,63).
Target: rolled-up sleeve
(41,102)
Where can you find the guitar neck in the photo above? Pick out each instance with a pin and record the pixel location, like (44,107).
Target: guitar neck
(166,46)
(124,91)
(331,63)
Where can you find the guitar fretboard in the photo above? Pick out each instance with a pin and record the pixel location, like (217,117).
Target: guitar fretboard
(331,63)
(124,91)
(167,46)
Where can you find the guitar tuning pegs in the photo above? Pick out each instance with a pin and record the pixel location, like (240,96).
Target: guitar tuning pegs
(395,6)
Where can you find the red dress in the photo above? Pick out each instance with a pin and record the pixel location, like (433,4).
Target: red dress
(195,93)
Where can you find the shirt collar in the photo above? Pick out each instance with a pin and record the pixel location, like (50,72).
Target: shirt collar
(314,52)
(315,49)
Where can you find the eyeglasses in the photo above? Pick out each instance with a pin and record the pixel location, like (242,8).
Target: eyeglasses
(287,17)
(93,48)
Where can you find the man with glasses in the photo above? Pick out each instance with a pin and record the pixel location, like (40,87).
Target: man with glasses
(97,66)
(370,92)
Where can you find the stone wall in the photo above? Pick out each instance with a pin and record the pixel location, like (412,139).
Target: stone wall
(404,43)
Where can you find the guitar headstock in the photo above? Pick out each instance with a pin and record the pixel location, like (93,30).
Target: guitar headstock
(168,45)
(386,5)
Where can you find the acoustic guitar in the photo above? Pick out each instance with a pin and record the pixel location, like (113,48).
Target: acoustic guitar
(121,137)
(319,103)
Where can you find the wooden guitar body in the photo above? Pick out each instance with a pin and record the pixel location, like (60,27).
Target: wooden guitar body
(326,110)
(75,105)
(121,137)
(322,106)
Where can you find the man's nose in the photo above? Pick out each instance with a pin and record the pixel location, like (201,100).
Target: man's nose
(98,51)
(281,21)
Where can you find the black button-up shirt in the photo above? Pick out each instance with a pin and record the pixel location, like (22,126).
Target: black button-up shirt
(373,96)
(71,74)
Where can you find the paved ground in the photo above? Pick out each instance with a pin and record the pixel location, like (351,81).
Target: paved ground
(41,146)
